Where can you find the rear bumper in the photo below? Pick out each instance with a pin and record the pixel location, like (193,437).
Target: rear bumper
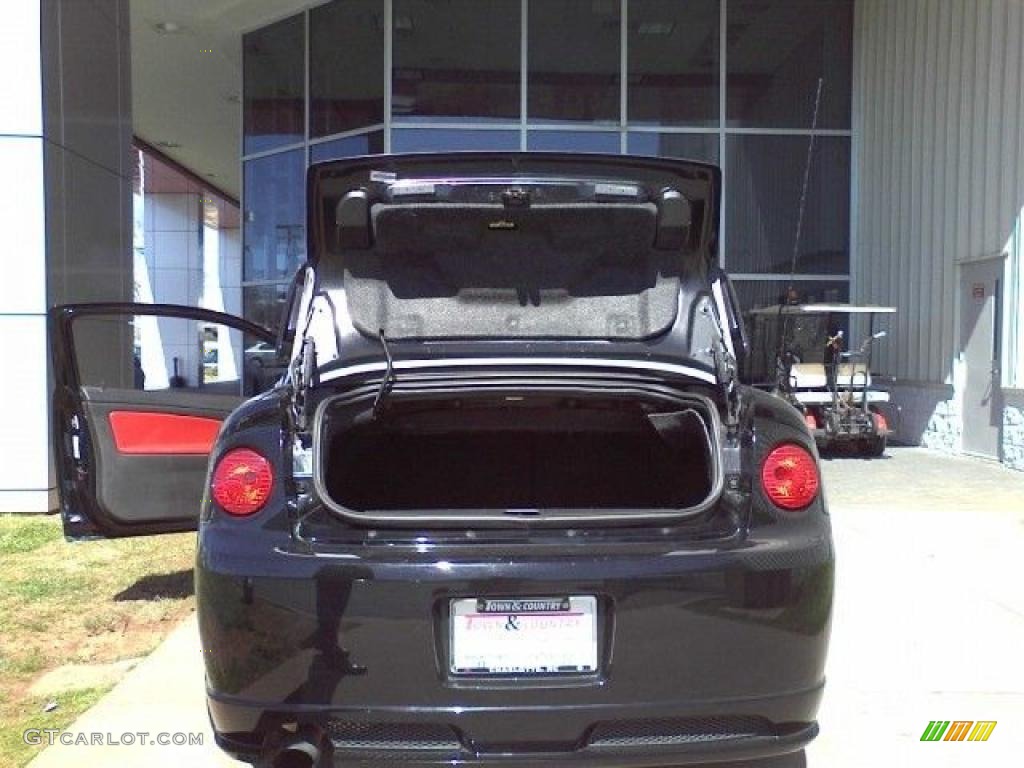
(640,743)
(707,653)
(651,757)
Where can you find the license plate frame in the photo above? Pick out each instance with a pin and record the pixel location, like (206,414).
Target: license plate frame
(554,636)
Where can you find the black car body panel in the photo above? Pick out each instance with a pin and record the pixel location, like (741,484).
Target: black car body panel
(326,616)
(714,633)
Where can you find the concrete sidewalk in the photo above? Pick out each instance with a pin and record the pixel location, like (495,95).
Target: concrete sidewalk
(163,695)
(929,611)
(929,624)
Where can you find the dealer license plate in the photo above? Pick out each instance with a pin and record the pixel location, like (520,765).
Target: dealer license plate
(524,636)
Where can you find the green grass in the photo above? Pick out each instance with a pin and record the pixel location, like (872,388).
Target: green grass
(43,585)
(14,750)
(24,534)
(62,603)
(30,663)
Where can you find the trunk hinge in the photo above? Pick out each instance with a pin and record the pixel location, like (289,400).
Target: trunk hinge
(728,378)
(303,377)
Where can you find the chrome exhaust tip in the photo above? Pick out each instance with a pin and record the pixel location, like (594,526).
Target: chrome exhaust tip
(296,753)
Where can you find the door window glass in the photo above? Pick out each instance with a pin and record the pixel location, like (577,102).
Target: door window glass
(153,353)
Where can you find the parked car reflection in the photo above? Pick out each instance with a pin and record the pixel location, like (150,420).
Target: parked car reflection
(263,366)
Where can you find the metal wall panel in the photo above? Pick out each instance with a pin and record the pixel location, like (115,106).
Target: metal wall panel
(938,162)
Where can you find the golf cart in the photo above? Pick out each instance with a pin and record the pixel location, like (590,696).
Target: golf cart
(798,352)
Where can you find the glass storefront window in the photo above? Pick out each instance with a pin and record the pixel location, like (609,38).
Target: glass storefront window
(349,146)
(673,62)
(275,216)
(764,176)
(574,54)
(346,66)
(273,85)
(691,146)
(754,294)
(457,83)
(573,141)
(456,62)
(264,304)
(776,53)
(452,140)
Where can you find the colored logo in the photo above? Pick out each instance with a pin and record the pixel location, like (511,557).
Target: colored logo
(958,730)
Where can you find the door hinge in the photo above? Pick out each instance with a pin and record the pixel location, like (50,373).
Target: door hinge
(303,377)
(728,378)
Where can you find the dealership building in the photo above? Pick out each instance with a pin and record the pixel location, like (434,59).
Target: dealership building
(155,151)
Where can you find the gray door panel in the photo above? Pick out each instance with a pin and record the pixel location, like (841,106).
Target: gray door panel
(127,463)
(149,488)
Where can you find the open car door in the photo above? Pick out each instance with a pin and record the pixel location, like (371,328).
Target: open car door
(140,393)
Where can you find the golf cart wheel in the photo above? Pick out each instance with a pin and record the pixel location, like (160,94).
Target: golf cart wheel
(875,446)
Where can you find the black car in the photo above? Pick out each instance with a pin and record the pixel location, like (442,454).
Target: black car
(509,505)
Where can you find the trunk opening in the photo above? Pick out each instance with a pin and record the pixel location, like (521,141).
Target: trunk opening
(519,459)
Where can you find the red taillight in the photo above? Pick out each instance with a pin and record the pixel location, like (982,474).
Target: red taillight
(789,477)
(881,425)
(810,421)
(242,481)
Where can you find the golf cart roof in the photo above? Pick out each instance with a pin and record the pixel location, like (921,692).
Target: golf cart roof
(821,309)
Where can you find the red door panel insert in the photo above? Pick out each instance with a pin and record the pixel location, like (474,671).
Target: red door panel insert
(145,432)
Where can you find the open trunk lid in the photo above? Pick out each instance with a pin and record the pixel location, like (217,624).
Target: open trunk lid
(482,247)
(515,339)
